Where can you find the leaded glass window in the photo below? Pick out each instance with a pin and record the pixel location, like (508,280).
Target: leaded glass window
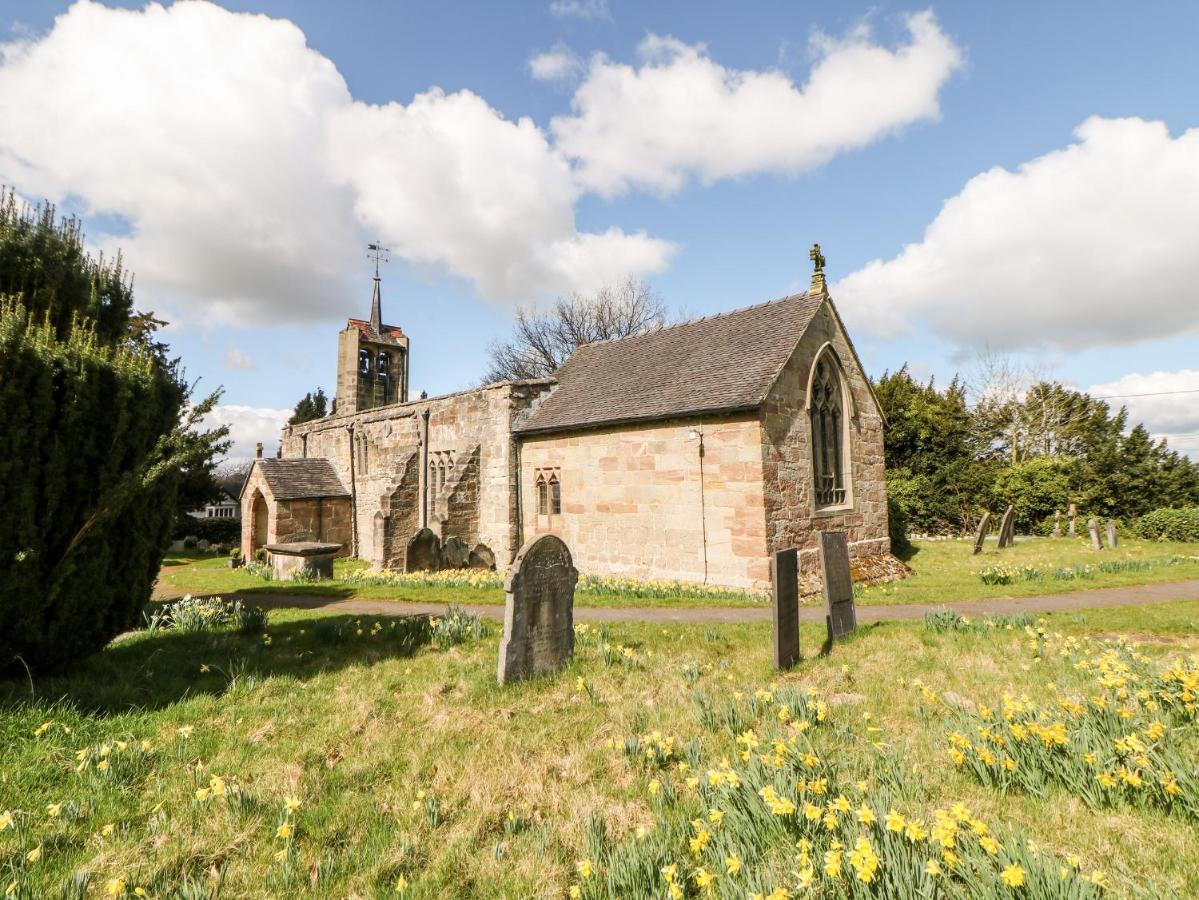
(828,425)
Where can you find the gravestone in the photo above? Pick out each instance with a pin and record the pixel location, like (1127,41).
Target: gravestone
(454,553)
(1096,540)
(423,553)
(1072,513)
(203,544)
(980,535)
(539,596)
(1111,533)
(784,580)
(1057,523)
(481,557)
(1007,527)
(840,616)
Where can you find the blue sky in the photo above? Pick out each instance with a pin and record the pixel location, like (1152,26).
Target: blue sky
(1095,286)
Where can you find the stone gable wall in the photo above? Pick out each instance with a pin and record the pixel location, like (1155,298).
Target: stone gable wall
(792,519)
(383,447)
(632,506)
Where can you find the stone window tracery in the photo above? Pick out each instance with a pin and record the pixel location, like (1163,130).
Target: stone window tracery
(827,412)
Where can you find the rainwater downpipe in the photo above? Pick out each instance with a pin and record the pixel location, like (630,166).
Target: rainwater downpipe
(697,434)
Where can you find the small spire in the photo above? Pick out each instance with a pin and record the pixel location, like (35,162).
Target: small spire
(376,309)
(377,251)
(817,258)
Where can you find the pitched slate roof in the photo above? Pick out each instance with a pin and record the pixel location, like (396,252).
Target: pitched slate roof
(301,479)
(722,363)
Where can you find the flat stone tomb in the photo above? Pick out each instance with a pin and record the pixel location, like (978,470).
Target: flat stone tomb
(784,580)
(841,617)
(539,596)
(312,558)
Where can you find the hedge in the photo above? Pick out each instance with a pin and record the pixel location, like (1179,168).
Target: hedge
(1170,524)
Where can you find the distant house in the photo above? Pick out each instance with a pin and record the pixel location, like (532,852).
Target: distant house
(227,507)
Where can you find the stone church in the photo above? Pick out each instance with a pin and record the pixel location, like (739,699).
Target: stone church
(688,454)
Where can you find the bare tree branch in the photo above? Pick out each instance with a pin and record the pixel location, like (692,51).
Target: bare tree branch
(542,341)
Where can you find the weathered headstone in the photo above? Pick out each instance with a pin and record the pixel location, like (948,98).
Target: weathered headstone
(539,596)
(1111,533)
(1057,523)
(840,615)
(1007,527)
(784,580)
(202,544)
(1093,527)
(454,553)
(980,535)
(1072,514)
(423,553)
(481,557)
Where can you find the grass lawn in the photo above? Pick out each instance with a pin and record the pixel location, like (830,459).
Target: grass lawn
(945,571)
(406,766)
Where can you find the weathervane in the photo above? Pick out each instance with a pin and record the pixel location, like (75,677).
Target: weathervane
(378,254)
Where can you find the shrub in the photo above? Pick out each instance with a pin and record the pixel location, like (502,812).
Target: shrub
(1170,524)
(897,528)
(92,448)
(215,531)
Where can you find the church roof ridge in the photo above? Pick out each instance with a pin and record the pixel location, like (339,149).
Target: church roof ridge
(721,363)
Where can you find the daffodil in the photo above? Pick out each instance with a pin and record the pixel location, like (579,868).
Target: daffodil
(1013,875)
(284,831)
(584,868)
(732,864)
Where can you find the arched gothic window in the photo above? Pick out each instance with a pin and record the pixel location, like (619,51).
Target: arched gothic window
(827,411)
(543,503)
(555,495)
(364,363)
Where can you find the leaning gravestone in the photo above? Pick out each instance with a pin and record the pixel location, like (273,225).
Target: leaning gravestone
(840,615)
(481,557)
(984,525)
(1096,540)
(454,553)
(1007,528)
(423,553)
(1072,512)
(1111,533)
(1057,523)
(539,635)
(784,580)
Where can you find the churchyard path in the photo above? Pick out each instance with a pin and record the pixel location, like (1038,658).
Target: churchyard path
(811,611)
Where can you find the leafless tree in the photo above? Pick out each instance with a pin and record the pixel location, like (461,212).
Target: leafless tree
(232,475)
(1000,384)
(543,340)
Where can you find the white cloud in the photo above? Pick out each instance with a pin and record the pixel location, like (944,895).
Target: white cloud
(1089,245)
(680,114)
(249,425)
(236,359)
(248,173)
(458,187)
(196,125)
(560,63)
(580,9)
(1156,403)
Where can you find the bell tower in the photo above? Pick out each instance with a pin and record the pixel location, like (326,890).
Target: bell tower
(372,358)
